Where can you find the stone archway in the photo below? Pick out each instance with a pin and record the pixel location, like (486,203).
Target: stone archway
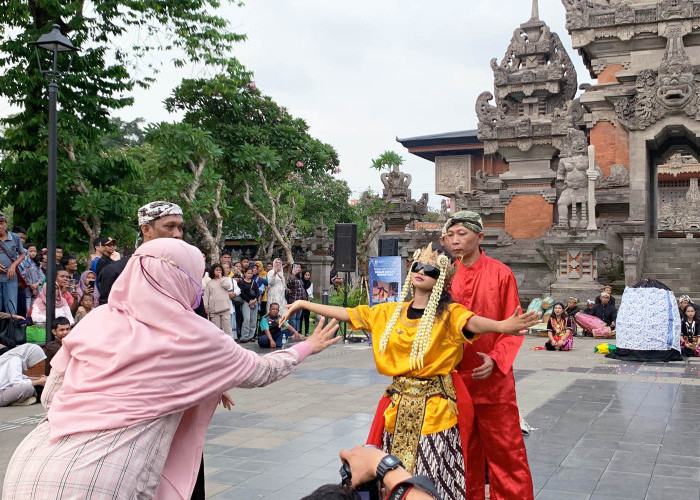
(662,168)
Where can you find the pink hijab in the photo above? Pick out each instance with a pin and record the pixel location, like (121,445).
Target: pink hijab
(146,354)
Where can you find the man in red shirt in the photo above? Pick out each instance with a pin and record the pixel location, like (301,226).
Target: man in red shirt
(488,288)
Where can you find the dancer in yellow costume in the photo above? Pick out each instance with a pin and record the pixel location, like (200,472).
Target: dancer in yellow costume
(426,413)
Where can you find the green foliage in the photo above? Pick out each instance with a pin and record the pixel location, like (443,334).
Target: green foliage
(101,78)
(124,133)
(251,129)
(387,160)
(178,150)
(356,296)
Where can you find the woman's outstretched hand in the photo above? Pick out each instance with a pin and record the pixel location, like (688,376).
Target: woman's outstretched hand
(323,335)
(518,323)
(292,308)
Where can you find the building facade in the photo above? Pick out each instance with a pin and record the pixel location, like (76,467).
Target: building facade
(599,188)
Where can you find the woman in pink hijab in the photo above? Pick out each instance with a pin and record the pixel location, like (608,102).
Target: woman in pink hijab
(133,388)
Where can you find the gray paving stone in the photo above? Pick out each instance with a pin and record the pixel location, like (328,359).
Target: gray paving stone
(623,485)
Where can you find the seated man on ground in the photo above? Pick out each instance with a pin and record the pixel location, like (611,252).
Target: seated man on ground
(272,331)
(605,310)
(60,328)
(606,289)
(16,388)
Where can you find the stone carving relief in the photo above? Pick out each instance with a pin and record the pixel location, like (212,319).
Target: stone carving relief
(576,264)
(572,178)
(619,177)
(615,14)
(452,172)
(679,163)
(672,90)
(681,214)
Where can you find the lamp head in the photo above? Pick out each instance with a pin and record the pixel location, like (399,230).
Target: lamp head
(54,42)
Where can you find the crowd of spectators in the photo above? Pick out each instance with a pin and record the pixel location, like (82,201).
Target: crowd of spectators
(245,298)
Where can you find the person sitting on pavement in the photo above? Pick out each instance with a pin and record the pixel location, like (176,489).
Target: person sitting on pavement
(572,307)
(560,330)
(16,388)
(685,301)
(606,289)
(367,464)
(273,331)
(605,310)
(690,330)
(60,328)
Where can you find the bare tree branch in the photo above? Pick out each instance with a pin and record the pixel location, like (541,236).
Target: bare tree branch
(284,235)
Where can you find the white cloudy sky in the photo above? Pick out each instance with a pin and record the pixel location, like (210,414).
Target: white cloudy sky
(365,71)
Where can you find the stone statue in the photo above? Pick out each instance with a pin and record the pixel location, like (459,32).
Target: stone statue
(571,174)
(397,182)
(443,211)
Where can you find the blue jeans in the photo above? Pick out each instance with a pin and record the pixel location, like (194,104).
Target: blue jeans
(8,296)
(295,321)
(263,341)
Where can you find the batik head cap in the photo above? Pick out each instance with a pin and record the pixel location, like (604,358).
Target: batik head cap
(467,218)
(153,211)
(573,299)
(684,298)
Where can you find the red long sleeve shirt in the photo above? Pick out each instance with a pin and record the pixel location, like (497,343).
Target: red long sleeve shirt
(488,288)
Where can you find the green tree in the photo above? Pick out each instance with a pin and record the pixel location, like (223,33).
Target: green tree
(101,78)
(184,166)
(267,156)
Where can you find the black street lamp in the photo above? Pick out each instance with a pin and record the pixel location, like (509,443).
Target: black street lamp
(54,43)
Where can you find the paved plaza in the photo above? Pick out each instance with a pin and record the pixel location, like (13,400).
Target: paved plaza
(604,429)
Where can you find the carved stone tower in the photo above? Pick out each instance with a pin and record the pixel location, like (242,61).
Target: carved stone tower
(534,87)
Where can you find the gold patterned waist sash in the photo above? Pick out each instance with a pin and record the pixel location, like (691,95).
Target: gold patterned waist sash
(413,394)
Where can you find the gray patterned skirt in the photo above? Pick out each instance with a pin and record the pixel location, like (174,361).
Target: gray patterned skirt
(440,458)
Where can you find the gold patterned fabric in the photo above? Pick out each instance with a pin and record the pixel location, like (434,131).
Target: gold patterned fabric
(410,395)
(443,355)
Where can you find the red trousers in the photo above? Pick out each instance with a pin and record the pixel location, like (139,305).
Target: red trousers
(496,437)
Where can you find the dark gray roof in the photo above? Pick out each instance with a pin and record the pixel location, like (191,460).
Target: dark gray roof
(447,138)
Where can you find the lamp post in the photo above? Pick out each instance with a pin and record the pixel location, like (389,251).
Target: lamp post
(53,42)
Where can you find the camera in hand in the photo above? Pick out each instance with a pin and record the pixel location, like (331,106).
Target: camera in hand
(365,491)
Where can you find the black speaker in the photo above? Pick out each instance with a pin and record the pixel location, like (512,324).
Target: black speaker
(388,247)
(345,248)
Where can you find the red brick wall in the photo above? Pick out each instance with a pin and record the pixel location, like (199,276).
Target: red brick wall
(608,74)
(489,164)
(528,216)
(612,145)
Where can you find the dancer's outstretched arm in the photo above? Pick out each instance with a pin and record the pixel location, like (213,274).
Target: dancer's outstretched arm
(514,325)
(335,312)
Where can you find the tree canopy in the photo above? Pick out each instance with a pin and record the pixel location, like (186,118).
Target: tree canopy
(102,76)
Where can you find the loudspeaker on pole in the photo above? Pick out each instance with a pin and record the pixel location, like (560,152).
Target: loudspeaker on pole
(345,247)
